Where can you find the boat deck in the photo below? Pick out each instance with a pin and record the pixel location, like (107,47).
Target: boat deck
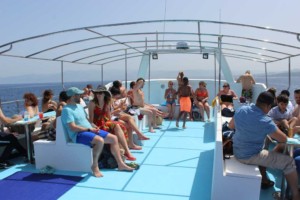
(175,164)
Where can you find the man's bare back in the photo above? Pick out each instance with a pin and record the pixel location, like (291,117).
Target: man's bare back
(185,91)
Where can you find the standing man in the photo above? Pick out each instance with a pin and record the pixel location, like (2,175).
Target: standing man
(252,125)
(247,81)
(296,112)
(81,131)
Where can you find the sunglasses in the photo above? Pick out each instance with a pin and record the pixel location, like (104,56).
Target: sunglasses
(225,85)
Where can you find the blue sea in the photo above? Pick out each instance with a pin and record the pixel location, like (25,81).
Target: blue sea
(13,92)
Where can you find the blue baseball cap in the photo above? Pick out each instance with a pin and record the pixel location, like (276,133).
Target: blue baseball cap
(73,91)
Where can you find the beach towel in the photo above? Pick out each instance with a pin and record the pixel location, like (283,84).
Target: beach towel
(185,104)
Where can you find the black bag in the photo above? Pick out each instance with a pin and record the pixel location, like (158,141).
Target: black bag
(226,112)
(106,159)
(196,116)
(227,141)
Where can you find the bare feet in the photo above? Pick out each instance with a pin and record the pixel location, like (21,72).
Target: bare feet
(177,124)
(142,137)
(96,172)
(151,130)
(135,147)
(124,167)
(183,126)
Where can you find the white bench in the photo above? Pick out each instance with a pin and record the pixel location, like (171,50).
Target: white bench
(62,154)
(232,179)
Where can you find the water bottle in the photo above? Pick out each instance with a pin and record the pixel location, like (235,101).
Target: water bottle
(26,116)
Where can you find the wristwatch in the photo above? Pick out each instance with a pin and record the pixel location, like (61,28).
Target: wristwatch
(89,130)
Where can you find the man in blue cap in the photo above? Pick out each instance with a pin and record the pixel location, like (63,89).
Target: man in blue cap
(79,129)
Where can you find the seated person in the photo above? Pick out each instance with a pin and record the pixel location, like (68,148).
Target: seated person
(290,106)
(200,100)
(272,90)
(31,104)
(118,84)
(100,116)
(282,116)
(118,111)
(226,97)
(48,105)
(252,125)
(170,96)
(11,138)
(81,131)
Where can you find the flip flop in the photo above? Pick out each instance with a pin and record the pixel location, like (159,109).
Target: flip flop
(133,165)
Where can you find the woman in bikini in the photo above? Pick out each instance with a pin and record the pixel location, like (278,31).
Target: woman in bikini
(226,97)
(201,97)
(170,96)
(100,116)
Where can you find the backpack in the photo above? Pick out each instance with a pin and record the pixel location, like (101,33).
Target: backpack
(106,159)
(227,141)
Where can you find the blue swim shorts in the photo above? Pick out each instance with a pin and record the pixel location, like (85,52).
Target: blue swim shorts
(87,137)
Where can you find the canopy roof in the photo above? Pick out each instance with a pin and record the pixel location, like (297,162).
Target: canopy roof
(103,44)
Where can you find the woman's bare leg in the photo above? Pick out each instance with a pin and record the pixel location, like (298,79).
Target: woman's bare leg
(120,135)
(207,110)
(115,150)
(130,120)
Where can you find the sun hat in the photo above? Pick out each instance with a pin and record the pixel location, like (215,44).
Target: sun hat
(73,91)
(101,88)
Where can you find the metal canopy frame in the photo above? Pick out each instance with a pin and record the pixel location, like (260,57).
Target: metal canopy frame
(123,41)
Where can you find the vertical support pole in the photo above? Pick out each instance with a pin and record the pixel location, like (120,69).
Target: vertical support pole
(149,77)
(266,74)
(146,43)
(101,74)
(220,59)
(199,36)
(289,73)
(215,68)
(62,75)
(126,69)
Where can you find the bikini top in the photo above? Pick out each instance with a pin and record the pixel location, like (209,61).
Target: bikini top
(202,93)
(226,98)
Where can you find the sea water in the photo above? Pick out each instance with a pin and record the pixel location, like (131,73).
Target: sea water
(12,92)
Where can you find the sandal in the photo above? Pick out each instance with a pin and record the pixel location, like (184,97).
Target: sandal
(133,165)
(266,185)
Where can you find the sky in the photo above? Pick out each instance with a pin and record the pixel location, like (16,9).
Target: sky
(25,18)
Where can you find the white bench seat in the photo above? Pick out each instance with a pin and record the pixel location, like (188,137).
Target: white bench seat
(232,179)
(61,154)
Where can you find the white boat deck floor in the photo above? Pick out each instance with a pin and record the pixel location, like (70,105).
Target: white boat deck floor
(175,164)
